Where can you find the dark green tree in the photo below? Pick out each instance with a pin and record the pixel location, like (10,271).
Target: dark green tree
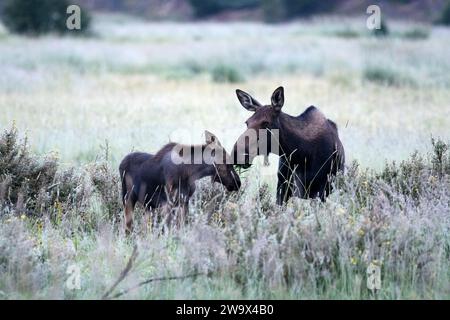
(204,8)
(445,17)
(383,31)
(295,8)
(36,17)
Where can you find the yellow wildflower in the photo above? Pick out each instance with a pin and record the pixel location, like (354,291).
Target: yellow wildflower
(340,211)
(351,220)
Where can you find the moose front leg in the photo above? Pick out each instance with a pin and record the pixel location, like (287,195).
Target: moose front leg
(284,190)
(173,208)
(301,189)
(181,207)
(177,203)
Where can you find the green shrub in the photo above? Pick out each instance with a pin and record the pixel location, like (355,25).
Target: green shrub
(380,75)
(441,157)
(224,73)
(39,16)
(416,34)
(106,183)
(346,33)
(244,244)
(414,178)
(383,31)
(386,76)
(35,185)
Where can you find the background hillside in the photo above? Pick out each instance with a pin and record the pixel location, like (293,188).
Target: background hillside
(268,10)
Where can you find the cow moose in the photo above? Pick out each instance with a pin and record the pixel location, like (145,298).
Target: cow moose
(309,149)
(159,181)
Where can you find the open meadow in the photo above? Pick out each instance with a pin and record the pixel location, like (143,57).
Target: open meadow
(83,103)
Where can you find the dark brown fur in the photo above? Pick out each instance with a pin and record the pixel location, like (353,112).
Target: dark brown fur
(309,146)
(156,181)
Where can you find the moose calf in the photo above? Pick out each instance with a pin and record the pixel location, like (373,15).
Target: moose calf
(157,180)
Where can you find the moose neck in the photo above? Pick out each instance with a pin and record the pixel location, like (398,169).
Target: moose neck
(200,171)
(289,131)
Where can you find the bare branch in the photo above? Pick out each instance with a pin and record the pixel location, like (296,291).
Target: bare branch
(140,284)
(123,274)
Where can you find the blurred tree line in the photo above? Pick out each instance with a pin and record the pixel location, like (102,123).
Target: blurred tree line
(281,10)
(268,10)
(42,16)
(35,17)
(273,10)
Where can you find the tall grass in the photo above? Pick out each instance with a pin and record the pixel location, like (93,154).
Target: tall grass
(243,245)
(132,69)
(136,84)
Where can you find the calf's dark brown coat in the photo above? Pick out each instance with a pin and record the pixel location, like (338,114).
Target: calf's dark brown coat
(156,181)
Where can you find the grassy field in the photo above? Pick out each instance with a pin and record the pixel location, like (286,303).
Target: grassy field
(83,103)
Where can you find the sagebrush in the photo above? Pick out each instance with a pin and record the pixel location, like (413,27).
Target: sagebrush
(246,247)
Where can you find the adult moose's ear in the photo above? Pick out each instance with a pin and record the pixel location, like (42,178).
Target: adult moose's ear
(278,99)
(211,138)
(247,101)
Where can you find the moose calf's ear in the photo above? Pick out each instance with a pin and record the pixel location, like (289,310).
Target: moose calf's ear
(278,99)
(211,138)
(247,101)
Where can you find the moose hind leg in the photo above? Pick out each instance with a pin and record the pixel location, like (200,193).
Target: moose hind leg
(284,192)
(129,208)
(129,201)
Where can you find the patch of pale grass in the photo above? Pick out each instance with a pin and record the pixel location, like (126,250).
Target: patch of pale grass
(138,112)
